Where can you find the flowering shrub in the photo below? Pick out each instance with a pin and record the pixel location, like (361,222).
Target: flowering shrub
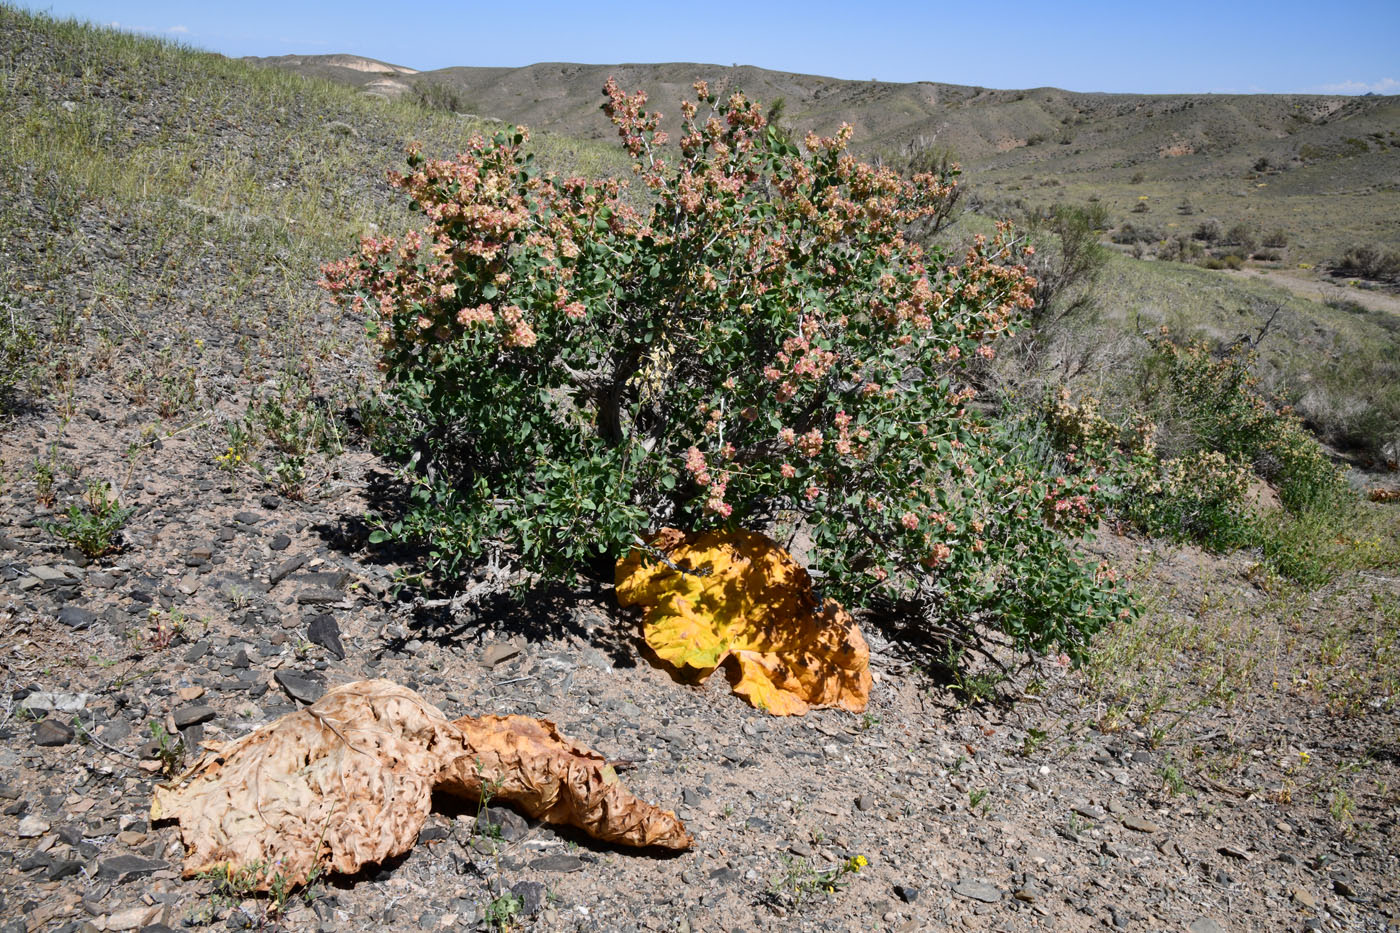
(759,344)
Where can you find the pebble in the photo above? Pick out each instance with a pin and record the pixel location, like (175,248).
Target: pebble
(76,617)
(324,631)
(51,733)
(978,891)
(186,716)
(1138,824)
(558,863)
(299,686)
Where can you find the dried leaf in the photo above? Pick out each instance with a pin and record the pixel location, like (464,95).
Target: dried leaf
(755,605)
(348,781)
(528,763)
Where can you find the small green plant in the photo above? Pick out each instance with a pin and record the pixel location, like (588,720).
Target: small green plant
(799,880)
(94,525)
(1172,780)
(170,750)
(502,912)
(43,482)
(1034,740)
(233,886)
(977,800)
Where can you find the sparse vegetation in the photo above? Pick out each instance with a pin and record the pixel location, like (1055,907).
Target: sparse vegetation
(94,525)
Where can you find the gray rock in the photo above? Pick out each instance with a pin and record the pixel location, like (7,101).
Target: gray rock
(324,631)
(1205,925)
(51,733)
(48,574)
(1138,824)
(907,893)
(978,891)
(865,803)
(123,868)
(76,617)
(559,862)
(186,716)
(319,597)
(531,894)
(285,569)
(280,543)
(503,821)
(300,687)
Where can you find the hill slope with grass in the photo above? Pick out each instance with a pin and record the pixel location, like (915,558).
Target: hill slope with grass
(1322,167)
(187,457)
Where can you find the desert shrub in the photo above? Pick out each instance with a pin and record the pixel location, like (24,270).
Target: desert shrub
(760,345)
(1177,460)
(1369,262)
(1179,248)
(1239,235)
(437,95)
(1209,231)
(1129,234)
(1208,401)
(1066,261)
(17,354)
(1276,239)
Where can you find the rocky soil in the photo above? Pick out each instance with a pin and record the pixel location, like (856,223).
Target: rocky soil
(1254,790)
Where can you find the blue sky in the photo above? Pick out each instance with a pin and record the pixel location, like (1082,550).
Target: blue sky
(1349,46)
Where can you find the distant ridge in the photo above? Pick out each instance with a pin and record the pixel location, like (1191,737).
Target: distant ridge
(1077,131)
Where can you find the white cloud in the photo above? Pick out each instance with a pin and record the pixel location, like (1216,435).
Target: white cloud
(1383,86)
(179,30)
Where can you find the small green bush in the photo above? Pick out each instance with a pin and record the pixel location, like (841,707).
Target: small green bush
(93,526)
(1178,464)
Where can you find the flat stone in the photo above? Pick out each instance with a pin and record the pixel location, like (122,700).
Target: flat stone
(121,868)
(51,733)
(186,716)
(560,863)
(280,543)
(247,518)
(32,826)
(978,891)
(1205,925)
(1234,852)
(76,617)
(1304,897)
(1138,824)
(319,597)
(286,568)
(498,654)
(324,631)
(325,579)
(299,686)
(47,574)
(46,702)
